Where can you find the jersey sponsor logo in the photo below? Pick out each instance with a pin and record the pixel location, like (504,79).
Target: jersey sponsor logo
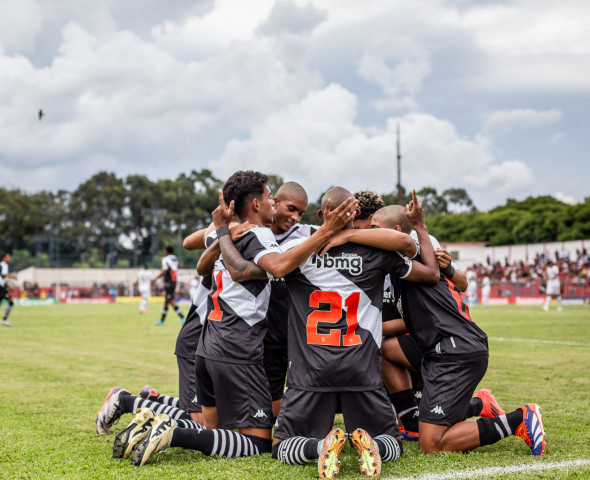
(347,261)
(438,410)
(260,414)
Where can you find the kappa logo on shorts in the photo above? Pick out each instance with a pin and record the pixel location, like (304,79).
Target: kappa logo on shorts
(348,261)
(260,414)
(438,410)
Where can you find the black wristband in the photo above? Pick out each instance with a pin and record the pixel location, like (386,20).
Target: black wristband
(221,231)
(448,271)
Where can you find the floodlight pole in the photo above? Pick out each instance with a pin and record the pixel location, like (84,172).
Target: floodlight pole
(399,169)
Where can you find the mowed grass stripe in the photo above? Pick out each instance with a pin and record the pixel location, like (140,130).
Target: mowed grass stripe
(58,362)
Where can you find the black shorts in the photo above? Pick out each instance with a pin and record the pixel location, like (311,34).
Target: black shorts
(448,388)
(5,295)
(276,362)
(311,414)
(187,385)
(169,290)
(240,393)
(411,350)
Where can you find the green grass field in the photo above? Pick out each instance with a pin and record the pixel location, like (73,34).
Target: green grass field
(58,362)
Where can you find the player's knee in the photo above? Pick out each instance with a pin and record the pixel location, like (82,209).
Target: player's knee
(429,445)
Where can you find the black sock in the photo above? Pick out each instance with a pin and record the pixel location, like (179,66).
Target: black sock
(164,312)
(492,430)
(225,443)
(179,312)
(474,408)
(407,408)
(296,450)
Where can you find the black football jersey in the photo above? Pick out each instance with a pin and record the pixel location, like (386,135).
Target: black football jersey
(278,307)
(390,309)
(335,326)
(188,337)
(170,266)
(235,323)
(438,319)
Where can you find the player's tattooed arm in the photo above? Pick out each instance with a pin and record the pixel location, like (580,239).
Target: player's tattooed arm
(428,271)
(238,267)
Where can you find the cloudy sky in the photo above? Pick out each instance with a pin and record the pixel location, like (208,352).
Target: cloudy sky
(490,96)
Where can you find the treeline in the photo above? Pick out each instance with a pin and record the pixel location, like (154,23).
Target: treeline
(125,222)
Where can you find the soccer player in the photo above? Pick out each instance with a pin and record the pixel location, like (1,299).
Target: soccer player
(471,287)
(144,286)
(553,288)
(231,383)
(486,289)
(4,292)
(369,203)
(170,273)
(455,359)
(334,348)
(290,203)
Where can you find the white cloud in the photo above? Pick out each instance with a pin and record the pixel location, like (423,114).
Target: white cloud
(556,138)
(562,197)
(312,90)
(19,23)
(287,18)
(317,143)
(520,118)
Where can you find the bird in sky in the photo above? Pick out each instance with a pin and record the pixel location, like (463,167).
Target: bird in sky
(41,114)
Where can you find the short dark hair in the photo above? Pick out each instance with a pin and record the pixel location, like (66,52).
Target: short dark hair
(369,203)
(241,187)
(169,249)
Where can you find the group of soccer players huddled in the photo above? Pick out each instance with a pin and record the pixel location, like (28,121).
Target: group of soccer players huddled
(363,315)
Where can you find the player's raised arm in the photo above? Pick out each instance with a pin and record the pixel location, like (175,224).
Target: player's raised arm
(428,271)
(238,268)
(458,277)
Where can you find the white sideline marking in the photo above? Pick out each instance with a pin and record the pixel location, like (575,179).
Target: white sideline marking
(531,340)
(491,471)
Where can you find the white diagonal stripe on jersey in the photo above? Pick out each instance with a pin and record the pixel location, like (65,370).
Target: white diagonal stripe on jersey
(248,307)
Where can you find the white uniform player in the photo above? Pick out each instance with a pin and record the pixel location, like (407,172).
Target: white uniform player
(485,291)
(144,286)
(553,288)
(471,287)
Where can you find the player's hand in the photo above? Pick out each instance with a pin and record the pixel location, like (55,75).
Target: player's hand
(239,230)
(222,215)
(444,257)
(335,219)
(415,212)
(339,238)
